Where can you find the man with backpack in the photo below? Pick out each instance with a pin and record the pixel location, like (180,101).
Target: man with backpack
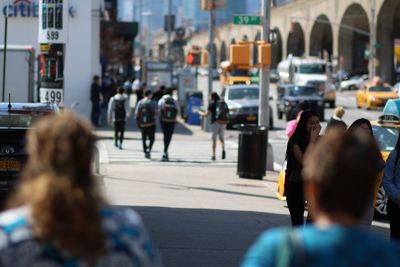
(118,111)
(219,112)
(145,113)
(168,109)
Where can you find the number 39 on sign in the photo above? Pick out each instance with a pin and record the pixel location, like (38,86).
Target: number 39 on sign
(49,95)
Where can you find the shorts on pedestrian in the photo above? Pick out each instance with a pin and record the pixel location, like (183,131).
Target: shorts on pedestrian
(217,130)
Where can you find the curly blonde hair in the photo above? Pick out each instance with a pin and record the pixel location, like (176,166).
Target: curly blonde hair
(58,184)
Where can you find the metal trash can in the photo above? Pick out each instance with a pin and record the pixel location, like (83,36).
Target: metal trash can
(252,153)
(194,103)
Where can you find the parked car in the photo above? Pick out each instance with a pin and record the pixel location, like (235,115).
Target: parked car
(202,71)
(371,96)
(397,88)
(326,90)
(354,83)
(243,103)
(15,120)
(274,76)
(291,96)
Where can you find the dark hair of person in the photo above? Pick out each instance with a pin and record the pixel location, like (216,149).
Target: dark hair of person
(300,135)
(336,124)
(214,97)
(397,148)
(148,93)
(339,163)
(120,90)
(59,187)
(358,122)
(96,78)
(169,91)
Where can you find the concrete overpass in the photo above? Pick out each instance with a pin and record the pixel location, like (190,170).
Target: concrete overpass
(333,29)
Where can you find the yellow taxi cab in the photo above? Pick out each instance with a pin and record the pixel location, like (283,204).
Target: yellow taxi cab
(374,96)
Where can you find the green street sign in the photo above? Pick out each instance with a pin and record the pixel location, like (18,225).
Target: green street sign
(246,20)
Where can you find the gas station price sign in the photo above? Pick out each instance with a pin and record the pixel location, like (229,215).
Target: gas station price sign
(53,21)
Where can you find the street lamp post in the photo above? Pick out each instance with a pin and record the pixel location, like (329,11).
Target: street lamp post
(5,53)
(148,14)
(263,116)
(169,25)
(372,42)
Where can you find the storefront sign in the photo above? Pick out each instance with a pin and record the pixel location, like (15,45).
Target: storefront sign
(51,72)
(53,21)
(21,8)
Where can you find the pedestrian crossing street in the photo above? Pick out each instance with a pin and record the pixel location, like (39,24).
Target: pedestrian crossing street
(180,152)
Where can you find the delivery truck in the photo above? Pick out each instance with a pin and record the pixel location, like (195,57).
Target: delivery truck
(20,77)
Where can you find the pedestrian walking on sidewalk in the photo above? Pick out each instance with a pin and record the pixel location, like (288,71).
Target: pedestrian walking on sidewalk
(57,216)
(391,184)
(168,109)
(96,97)
(117,113)
(305,135)
(337,118)
(339,173)
(219,112)
(139,91)
(364,125)
(146,111)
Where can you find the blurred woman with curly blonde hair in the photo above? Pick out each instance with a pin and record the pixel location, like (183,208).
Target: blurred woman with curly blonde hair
(57,216)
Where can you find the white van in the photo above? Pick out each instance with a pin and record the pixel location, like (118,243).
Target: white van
(308,71)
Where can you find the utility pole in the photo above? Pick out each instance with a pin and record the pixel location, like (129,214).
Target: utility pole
(372,42)
(263,113)
(211,51)
(211,56)
(5,54)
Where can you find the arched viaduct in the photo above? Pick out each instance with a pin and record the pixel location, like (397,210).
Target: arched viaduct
(334,29)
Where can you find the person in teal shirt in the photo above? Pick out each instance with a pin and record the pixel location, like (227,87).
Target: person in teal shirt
(338,164)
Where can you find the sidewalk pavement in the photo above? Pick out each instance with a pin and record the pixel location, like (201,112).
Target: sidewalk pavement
(198,213)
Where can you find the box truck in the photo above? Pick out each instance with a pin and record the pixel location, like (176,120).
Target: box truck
(20,68)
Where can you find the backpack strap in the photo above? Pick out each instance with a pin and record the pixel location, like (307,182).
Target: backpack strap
(290,250)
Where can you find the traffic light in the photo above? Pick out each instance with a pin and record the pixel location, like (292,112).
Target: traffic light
(240,54)
(204,57)
(193,58)
(264,54)
(207,5)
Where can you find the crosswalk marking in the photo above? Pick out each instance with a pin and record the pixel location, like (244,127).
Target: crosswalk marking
(182,152)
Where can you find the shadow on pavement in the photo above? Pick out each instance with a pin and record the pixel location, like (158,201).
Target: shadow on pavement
(178,186)
(205,237)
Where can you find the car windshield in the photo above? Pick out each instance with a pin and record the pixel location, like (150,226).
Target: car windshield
(243,93)
(20,118)
(386,137)
(380,89)
(312,69)
(303,91)
(239,73)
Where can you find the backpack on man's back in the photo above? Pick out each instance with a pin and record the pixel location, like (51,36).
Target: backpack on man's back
(145,115)
(222,112)
(169,111)
(119,109)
